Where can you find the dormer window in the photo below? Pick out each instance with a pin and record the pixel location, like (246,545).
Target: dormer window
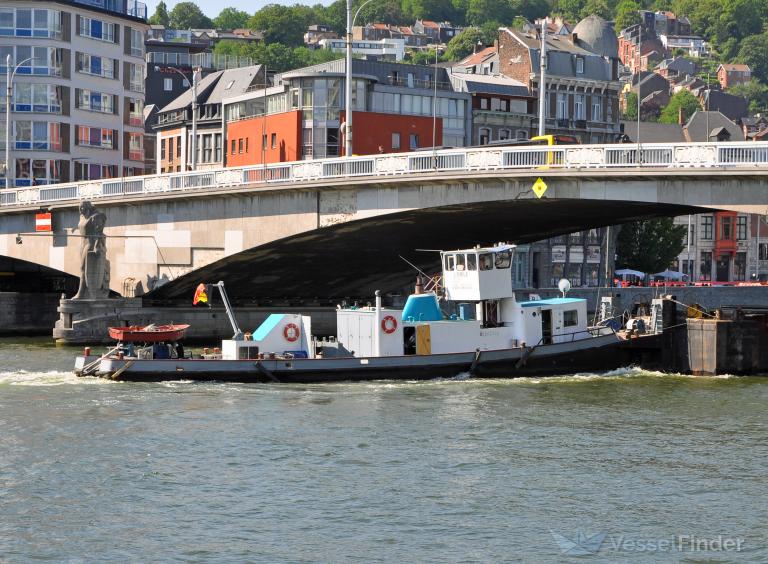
(579,65)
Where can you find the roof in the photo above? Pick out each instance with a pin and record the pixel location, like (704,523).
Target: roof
(652,132)
(701,123)
(729,67)
(489,84)
(733,107)
(233,82)
(185,99)
(429,23)
(477,58)
(598,36)
(554,43)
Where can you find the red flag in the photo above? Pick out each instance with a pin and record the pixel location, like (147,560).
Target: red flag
(200,295)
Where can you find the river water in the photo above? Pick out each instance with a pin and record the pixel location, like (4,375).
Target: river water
(629,466)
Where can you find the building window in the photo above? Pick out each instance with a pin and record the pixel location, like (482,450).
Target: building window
(135,77)
(687,268)
(395,141)
(97,29)
(741,228)
(521,134)
(246,144)
(96,137)
(579,65)
(96,66)
(706,227)
(167,84)
(23,22)
(483,103)
(208,148)
(413,141)
(762,251)
(240,146)
(274,140)
(597,110)
(562,105)
(726,228)
(504,134)
(135,112)
(706,265)
(484,136)
(137,43)
(233,147)
(38,97)
(170,149)
(740,267)
(162,149)
(95,101)
(136,146)
(579,111)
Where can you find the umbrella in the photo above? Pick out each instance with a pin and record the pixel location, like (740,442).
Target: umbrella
(630,272)
(671,275)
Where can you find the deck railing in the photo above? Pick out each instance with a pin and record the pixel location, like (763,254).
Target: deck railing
(747,156)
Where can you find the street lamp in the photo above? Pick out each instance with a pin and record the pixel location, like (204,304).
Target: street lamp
(194,111)
(348,78)
(8,94)
(543,67)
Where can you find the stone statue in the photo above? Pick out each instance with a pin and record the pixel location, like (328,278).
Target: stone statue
(94,266)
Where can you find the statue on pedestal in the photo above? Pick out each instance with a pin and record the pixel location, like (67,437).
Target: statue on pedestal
(94,266)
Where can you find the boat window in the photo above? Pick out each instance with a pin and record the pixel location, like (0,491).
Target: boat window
(472,262)
(503,259)
(570,318)
(486,261)
(460,262)
(450,262)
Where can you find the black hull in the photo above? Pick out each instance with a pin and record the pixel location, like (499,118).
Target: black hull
(616,355)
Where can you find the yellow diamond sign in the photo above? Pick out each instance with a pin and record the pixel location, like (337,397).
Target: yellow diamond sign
(539,187)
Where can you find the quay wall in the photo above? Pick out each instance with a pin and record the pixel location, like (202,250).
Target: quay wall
(23,314)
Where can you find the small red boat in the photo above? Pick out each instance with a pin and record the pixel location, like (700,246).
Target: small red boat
(148,334)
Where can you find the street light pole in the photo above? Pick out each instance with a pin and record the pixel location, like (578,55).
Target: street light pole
(348,79)
(434,115)
(348,87)
(543,66)
(194,111)
(8,95)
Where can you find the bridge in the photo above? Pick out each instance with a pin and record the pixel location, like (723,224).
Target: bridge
(335,227)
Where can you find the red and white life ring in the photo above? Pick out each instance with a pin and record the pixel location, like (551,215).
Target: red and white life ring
(389,324)
(291,332)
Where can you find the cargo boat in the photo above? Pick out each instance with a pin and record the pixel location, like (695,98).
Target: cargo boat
(491,334)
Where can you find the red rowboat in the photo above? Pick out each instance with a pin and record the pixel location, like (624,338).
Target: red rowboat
(148,334)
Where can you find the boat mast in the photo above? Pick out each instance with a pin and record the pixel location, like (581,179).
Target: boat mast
(238,336)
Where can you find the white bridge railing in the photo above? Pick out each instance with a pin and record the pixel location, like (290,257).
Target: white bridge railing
(537,159)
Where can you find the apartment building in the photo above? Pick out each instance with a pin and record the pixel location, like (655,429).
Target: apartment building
(78,91)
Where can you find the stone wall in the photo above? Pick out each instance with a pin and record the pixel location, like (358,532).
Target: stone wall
(27,314)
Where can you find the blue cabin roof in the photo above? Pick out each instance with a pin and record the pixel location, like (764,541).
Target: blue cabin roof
(422,307)
(551,302)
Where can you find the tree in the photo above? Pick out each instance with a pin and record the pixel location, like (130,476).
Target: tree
(627,14)
(682,100)
(650,245)
(598,8)
(480,11)
(160,17)
(188,15)
(282,24)
(631,113)
(569,9)
(754,52)
(426,9)
(465,43)
(423,57)
(755,92)
(231,18)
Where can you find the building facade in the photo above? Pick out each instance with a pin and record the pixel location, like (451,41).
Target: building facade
(304,118)
(78,92)
(582,86)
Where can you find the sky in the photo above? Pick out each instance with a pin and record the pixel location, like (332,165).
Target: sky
(211,8)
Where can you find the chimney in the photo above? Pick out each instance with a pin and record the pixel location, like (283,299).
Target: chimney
(680,116)
(574,38)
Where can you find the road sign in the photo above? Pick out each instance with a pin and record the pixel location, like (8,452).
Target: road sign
(539,187)
(43,222)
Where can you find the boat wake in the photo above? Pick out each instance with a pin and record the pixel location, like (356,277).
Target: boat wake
(49,378)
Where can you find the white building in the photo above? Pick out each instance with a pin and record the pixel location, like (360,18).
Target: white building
(388,49)
(694,45)
(78,93)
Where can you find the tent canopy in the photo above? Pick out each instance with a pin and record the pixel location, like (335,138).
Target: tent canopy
(630,272)
(671,275)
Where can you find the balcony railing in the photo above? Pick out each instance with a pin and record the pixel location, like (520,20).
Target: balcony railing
(749,158)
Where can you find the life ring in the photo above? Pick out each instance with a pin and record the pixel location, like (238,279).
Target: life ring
(389,324)
(291,332)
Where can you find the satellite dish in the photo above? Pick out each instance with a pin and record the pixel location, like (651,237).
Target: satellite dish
(564,285)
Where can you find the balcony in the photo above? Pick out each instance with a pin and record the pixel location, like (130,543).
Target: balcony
(580,124)
(563,122)
(417,83)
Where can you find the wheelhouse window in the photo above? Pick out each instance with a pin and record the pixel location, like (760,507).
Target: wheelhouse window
(486,261)
(450,262)
(503,259)
(570,318)
(460,262)
(472,262)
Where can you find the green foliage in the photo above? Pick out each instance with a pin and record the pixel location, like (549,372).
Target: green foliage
(649,246)
(231,18)
(283,24)
(276,56)
(568,9)
(598,8)
(631,113)
(388,11)
(480,11)
(187,15)
(754,52)
(160,17)
(755,92)
(626,14)
(425,9)
(683,99)
(465,43)
(424,57)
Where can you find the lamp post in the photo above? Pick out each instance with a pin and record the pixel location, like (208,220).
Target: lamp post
(8,95)
(348,78)
(543,67)
(194,111)
(434,115)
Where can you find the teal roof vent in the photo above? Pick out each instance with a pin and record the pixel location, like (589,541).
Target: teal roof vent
(422,307)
